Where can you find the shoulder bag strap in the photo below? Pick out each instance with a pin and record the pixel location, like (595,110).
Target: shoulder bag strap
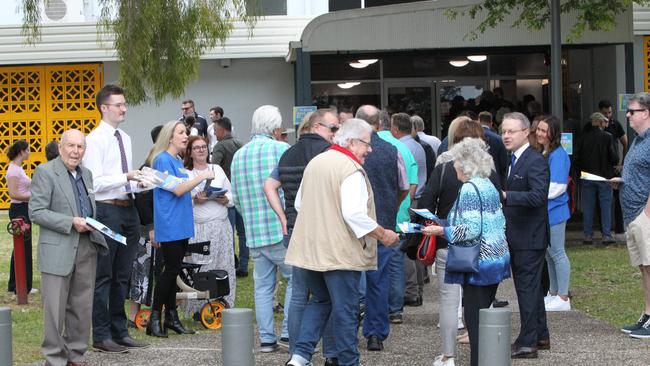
(480,206)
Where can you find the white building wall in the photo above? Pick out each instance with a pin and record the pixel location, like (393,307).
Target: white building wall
(238,89)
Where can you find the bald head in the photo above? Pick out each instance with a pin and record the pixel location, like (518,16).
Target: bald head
(370,114)
(72,148)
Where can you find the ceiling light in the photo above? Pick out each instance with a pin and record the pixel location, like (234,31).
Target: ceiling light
(369,61)
(458,63)
(358,65)
(477,58)
(345,85)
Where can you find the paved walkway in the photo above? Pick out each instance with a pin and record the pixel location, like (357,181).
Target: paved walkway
(576,339)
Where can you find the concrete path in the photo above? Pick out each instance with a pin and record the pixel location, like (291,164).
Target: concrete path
(576,339)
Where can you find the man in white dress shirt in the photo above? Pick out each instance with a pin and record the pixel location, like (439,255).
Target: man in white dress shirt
(108,156)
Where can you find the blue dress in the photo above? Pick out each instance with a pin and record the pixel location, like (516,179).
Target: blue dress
(465,227)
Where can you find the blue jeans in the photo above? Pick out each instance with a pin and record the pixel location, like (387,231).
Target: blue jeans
(559,268)
(237,223)
(375,322)
(299,299)
(266,260)
(334,298)
(590,192)
(397,281)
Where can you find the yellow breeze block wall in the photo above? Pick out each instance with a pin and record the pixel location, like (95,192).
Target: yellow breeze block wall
(38,103)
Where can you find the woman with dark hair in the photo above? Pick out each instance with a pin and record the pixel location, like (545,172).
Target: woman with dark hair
(548,135)
(18,185)
(210,218)
(173,224)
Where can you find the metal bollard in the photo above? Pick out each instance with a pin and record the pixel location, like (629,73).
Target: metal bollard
(17,228)
(5,336)
(237,337)
(494,337)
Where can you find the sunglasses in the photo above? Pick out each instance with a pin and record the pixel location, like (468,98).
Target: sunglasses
(631,111)
(332,128)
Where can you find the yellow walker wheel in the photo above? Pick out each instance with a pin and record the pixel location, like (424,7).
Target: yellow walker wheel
(211,314)
(142,318)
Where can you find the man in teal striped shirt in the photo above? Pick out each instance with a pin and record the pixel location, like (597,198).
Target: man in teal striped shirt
(251,165)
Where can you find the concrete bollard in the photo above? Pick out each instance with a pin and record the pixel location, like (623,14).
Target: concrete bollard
(237,337)
(494,337)
(5,337)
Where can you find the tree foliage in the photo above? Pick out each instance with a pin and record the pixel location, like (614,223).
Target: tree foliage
(158,43)
(592,15)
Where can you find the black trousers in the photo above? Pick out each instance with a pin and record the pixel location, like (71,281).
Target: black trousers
(476,298)
(165,291)
(527,267)
(17,210)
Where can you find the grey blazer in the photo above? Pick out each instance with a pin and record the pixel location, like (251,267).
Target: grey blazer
(52,206)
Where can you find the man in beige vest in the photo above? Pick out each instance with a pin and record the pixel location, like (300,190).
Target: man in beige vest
(334,240)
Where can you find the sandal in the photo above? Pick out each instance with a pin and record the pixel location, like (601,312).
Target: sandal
(463,338)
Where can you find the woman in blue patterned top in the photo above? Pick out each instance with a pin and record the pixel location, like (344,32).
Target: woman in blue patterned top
(476,217)
(548,133)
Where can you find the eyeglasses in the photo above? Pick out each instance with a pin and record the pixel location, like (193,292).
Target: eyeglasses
(199,148)
(118,105)
(511,132)
(332,128)
(365,142)
(631,111)
(186,108)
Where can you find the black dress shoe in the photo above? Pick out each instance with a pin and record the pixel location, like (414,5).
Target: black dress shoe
(332,361)
(413,302)
(523,352)
(108,346)
(544,344)
(375,344)
(499,303)
(129,342)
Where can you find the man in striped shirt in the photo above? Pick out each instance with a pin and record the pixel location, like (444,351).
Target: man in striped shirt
(251,165)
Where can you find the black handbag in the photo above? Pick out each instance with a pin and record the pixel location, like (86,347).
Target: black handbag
(464,258)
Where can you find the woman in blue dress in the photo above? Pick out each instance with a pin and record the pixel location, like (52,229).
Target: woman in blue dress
(475,218)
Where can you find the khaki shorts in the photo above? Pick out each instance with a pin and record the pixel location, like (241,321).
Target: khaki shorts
(638,240)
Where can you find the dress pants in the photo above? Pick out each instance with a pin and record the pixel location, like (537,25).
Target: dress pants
(476,298)
(527,267)
(114,271)
(67,307)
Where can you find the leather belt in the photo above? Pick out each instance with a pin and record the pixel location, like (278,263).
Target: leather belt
(123,203)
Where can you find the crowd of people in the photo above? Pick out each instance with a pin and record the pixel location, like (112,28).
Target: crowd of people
(323,213)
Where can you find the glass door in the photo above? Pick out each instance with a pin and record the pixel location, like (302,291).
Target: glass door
(413,98)
(455,97)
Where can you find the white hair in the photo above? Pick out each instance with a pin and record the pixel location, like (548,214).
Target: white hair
(354,128)
(266,119)
(471,156)
(418,123)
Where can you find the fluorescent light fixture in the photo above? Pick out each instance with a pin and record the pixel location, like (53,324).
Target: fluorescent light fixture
(358,65)
(348,85)
(477,58)
(369,61)
(458,63)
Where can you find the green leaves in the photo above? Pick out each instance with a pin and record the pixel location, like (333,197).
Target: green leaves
(158,42)
(592,15)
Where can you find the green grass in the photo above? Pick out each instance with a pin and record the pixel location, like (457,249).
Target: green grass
(27,320)
(605,285)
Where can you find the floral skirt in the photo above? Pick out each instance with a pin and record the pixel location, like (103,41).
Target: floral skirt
(222,256)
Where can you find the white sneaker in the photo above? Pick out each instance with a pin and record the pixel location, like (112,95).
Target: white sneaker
(439,362)
(548,298)
(33,291)
(460,323)
(558,304)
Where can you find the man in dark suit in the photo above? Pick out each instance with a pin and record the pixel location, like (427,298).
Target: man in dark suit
(62,198)
(527,231)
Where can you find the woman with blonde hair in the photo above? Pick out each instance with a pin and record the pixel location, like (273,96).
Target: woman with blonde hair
(173,224)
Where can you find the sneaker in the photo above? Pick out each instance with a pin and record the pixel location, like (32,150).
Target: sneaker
(636,326)
(643,332)
(558,304)
(395,318)
(284,342)
(269,347)
(33,291)
(297,360)
(439,361)
(548,298)
(608,239)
